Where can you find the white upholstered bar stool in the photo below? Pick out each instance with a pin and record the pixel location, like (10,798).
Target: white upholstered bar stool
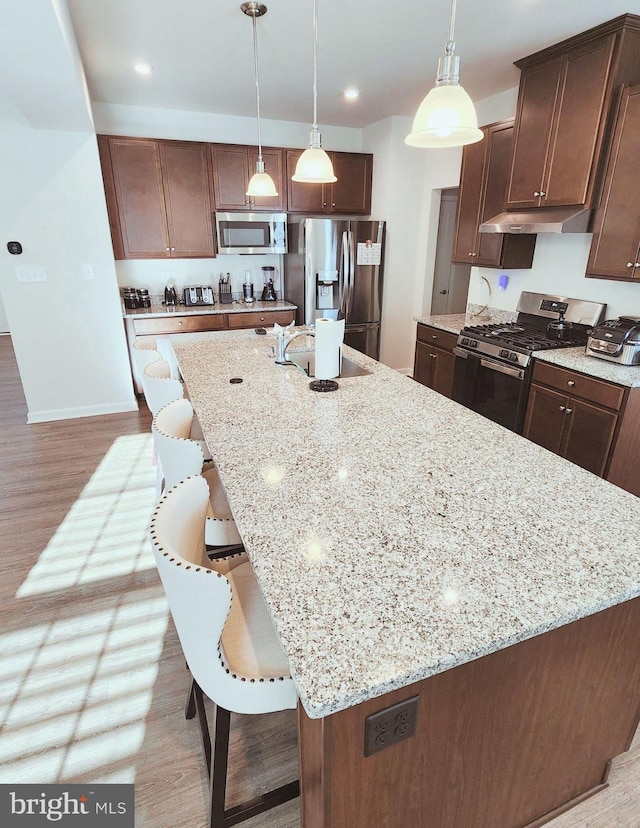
(227,637)
(145,350)
(159,386)
(182,457)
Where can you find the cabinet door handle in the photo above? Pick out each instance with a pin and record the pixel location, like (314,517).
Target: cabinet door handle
(542,194)
(433,356)
(179,323)
(569,410)
(324,203)
(168,249)
(630,264)
(536,194)
(562,408)
(434,336)
(262,318)
(173,249)
(637,264)
(570,383)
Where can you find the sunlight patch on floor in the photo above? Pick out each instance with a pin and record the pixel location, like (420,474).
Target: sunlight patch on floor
(77,684)
(104,535)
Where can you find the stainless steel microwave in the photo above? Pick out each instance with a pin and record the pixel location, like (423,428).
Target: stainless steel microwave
(251,233)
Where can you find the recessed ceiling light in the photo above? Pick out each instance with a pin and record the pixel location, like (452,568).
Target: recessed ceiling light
(142,68)
(351,93)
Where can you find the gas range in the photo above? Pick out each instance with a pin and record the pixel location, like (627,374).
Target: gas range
(513,342)
(493,366)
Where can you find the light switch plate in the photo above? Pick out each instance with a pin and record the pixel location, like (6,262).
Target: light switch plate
(31,274)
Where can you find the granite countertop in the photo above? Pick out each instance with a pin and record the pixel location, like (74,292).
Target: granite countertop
(475,315)
(161,311)
(577,359)
(574,359)
(394,533)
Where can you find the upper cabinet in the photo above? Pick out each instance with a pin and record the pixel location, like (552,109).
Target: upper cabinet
(158,198)
(233,165)
(563,114)
(483,181)
(349,195)
(615,250)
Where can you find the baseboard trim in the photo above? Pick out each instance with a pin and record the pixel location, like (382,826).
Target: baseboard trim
(81,411)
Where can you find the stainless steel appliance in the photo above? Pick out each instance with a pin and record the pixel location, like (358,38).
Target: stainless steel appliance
(334,269)
(170,295)
(494,362)
(199,295)
(616,340)
(248,233)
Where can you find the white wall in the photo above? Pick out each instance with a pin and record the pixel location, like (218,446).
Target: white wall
(67,332)
(154,275)
(559,266)
(406,192)
(179,125)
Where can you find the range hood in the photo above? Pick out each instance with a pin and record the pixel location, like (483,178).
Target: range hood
(541,220)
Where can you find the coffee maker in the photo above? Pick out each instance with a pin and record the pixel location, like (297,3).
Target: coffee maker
(170,296)
(268,292)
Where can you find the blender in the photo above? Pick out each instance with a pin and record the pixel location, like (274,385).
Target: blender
(269,275)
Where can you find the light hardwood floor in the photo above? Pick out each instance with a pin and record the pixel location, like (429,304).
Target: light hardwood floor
(93,683)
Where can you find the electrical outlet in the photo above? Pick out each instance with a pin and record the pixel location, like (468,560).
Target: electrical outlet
(390,726)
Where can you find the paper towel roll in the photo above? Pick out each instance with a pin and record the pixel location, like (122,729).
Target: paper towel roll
(329,336)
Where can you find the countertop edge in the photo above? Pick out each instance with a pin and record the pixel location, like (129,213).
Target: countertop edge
(573,359)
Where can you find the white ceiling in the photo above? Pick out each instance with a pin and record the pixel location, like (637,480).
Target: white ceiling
(201,52)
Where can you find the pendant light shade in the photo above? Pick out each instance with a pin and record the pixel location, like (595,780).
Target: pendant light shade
(446,117)
(261,183)
(314,165)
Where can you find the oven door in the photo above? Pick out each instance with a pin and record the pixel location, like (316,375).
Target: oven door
(493,389)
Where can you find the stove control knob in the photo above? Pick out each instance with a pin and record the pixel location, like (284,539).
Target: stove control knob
(470,343)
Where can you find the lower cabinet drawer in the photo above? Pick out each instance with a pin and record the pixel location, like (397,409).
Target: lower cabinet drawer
(579,385)
(180,324)
(436,336)
(259,318)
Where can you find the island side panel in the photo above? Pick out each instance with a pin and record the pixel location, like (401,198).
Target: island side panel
(507,739)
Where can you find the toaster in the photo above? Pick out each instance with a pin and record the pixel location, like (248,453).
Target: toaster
(199,295)
(617,340)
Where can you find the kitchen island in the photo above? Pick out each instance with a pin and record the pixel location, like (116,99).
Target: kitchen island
(408,547)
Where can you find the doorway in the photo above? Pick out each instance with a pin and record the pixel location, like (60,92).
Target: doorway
(450,281)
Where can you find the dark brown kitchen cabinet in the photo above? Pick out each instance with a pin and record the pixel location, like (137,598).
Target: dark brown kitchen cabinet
(564,114)
(615,249)
(349,195)
(434,359)
(158,198)
(483,182)
(233,165)
(574,416)
(560,121)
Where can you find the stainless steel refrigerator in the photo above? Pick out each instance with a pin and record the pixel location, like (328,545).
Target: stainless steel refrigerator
(325,275)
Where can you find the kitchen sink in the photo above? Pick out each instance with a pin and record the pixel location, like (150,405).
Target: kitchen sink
(306,360)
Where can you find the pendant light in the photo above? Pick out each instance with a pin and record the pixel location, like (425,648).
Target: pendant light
(446,117)
(314,165)
(261,183)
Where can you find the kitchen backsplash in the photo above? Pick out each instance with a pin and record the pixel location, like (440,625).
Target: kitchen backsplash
(154,274)
(559,265)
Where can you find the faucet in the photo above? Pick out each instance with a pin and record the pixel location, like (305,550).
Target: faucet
(284,339)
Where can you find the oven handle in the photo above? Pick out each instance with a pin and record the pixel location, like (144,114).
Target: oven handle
(493,366)
(503,369)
